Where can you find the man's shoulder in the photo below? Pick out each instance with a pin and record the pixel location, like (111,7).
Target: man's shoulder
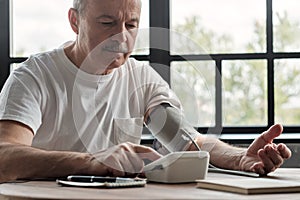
(43,55)
(39,60)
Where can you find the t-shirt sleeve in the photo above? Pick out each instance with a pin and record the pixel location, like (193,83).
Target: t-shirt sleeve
(20,100)
(158,91)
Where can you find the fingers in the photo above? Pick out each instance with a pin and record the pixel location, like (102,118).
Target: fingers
(272,156)
(141,153)
(258,168)
(284,151)
(127,164)
(126,159)
(273,132)
(266,138)
(147,153)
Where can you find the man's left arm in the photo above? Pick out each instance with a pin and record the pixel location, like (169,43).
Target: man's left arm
(262,156)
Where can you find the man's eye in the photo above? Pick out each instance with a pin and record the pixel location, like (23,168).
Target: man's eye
(131,26)
(107,23)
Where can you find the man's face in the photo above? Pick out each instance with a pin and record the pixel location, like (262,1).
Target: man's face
(107,31)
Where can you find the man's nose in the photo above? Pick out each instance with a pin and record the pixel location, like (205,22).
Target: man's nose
(121,34)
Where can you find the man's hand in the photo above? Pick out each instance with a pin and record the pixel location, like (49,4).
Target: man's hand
(125,159)
(263,156)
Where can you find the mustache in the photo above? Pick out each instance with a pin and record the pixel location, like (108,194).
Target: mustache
(116,47)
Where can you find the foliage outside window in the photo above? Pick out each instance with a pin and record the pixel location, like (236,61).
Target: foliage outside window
(244,81)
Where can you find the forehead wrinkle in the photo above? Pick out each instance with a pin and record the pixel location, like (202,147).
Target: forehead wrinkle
(126,10)
(120,16)
(129,9)
(108,17)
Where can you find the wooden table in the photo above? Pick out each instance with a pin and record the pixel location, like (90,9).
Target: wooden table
(50,190)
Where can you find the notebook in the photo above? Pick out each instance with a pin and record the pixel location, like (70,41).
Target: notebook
(251,185)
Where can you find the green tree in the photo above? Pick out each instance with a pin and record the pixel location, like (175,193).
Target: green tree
(244,82)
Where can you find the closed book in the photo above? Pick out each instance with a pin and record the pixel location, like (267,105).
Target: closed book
(251,185)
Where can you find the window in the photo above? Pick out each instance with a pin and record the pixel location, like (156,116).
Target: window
(218,26)
(38,26)
(287,91)
(52,26)
(234,64)
(255,50)
(286,26)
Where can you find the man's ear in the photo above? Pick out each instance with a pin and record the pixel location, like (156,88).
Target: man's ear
(73,19)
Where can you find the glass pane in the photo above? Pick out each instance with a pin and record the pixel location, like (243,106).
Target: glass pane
(244,92)
(39,25)
(219,26)
(286,17)
(43,25)
(194,84)
(287,91)
(142,41)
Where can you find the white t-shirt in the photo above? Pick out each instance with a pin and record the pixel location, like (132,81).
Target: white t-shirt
(68,109)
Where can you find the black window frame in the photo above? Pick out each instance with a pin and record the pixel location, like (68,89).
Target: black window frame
(160,17)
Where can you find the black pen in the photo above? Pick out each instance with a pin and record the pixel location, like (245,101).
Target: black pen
(99,179)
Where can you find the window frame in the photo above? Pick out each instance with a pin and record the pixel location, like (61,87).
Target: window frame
(160,17)
(162,11)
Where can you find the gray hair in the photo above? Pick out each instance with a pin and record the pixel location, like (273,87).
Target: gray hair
(79,5)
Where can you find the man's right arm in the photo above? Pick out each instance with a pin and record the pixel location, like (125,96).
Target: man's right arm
(19,160)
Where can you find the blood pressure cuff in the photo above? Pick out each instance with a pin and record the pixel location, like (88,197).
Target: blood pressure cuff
(169,126)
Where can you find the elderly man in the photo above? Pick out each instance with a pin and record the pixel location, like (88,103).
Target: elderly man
(79,109)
